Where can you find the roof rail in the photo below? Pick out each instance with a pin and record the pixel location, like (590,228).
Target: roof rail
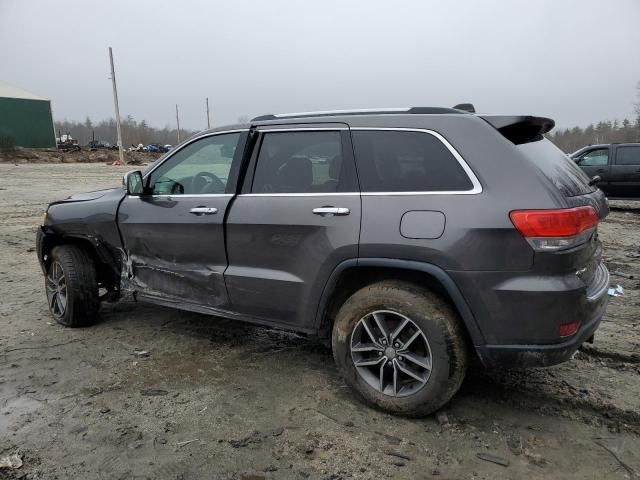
(365,111)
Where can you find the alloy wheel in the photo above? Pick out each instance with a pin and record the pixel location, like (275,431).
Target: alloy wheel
(391,353)
(56,290)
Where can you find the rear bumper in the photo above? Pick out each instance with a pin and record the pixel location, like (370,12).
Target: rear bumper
(522,356)
(520,314)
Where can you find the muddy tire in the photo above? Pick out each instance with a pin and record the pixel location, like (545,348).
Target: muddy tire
(72,286)
(408,344)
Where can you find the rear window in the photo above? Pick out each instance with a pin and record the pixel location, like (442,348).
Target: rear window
(401,161)
(557,167)
(628,156)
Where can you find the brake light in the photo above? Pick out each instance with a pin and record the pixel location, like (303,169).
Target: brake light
(555,229)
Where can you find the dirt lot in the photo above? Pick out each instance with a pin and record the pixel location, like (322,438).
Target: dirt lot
(214,399)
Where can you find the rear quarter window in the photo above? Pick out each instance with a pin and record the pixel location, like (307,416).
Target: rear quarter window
(557,167)
(405,161)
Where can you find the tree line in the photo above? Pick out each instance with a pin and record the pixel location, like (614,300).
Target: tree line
(571,139)
(133,132)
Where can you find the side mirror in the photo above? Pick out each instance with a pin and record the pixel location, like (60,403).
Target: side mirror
(133,182)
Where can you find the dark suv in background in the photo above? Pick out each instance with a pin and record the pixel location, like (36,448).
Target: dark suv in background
(617,165)
(411,238)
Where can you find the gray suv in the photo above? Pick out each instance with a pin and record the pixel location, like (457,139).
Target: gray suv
(411,239)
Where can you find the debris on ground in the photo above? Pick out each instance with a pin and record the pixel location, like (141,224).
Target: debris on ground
(442,417)
(255,437)
(153,392)
(616,291)
(141,353)
(11,461)
(395,453)
(488,457)
(622,274)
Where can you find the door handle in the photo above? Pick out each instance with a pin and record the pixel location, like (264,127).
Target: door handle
(203,210)
(601,170)
(337,211)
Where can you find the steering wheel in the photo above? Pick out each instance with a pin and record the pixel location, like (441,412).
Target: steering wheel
(206,182)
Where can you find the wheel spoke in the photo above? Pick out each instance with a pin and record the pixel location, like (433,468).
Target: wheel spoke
(397,331)
(410,341)
(382,368)
(411,373)
(369,362)
(366,347)
(424,362)
(51,297)
(62,300)
(395,376)
(382,325)
(59,303)
(366,328)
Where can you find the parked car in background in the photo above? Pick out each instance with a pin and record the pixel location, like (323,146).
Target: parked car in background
(411,240)
(156,148)
(617,165)
(99,145)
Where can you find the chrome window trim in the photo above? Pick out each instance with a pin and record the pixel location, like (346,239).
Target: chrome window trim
(190,195)
(476,186)
(189,142)
(309,194)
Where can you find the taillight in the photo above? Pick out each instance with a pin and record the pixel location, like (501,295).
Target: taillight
(555,229)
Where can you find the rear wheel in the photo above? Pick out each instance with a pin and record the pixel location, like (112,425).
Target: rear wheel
(401,347)
(72,286)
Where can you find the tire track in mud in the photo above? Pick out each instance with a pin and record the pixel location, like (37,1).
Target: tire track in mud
(556,392)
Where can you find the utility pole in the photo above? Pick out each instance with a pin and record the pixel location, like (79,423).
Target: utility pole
(178,122)
(208,116)
(115,101)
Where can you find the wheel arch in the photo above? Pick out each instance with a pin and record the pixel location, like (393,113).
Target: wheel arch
(107,262)
(353,274)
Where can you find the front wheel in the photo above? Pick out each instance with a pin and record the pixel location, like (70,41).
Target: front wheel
(401,347)
(72,286)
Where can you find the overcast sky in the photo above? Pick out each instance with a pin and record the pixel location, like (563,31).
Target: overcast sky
(577,61)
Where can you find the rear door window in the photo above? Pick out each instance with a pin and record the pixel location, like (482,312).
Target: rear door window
(406,161)
(302,162)
(628,156)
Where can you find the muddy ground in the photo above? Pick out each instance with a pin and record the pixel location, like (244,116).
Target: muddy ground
(214,399)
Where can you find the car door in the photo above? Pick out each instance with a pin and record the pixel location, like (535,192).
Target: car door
(597,162)
(297,218)
(173,234)
(625,174)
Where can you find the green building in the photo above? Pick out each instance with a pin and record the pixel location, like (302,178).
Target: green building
(25,119)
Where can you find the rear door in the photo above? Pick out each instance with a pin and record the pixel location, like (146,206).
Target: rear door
(296,219)
(597,162)
(625,174)
(174,234)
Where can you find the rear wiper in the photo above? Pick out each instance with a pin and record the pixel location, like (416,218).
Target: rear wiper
(595,179)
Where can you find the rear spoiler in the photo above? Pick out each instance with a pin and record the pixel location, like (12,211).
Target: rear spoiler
(520,129)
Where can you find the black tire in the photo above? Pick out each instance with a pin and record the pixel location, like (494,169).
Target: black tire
(80,279)
(442,329)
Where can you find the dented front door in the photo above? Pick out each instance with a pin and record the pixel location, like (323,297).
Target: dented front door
(174,235)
